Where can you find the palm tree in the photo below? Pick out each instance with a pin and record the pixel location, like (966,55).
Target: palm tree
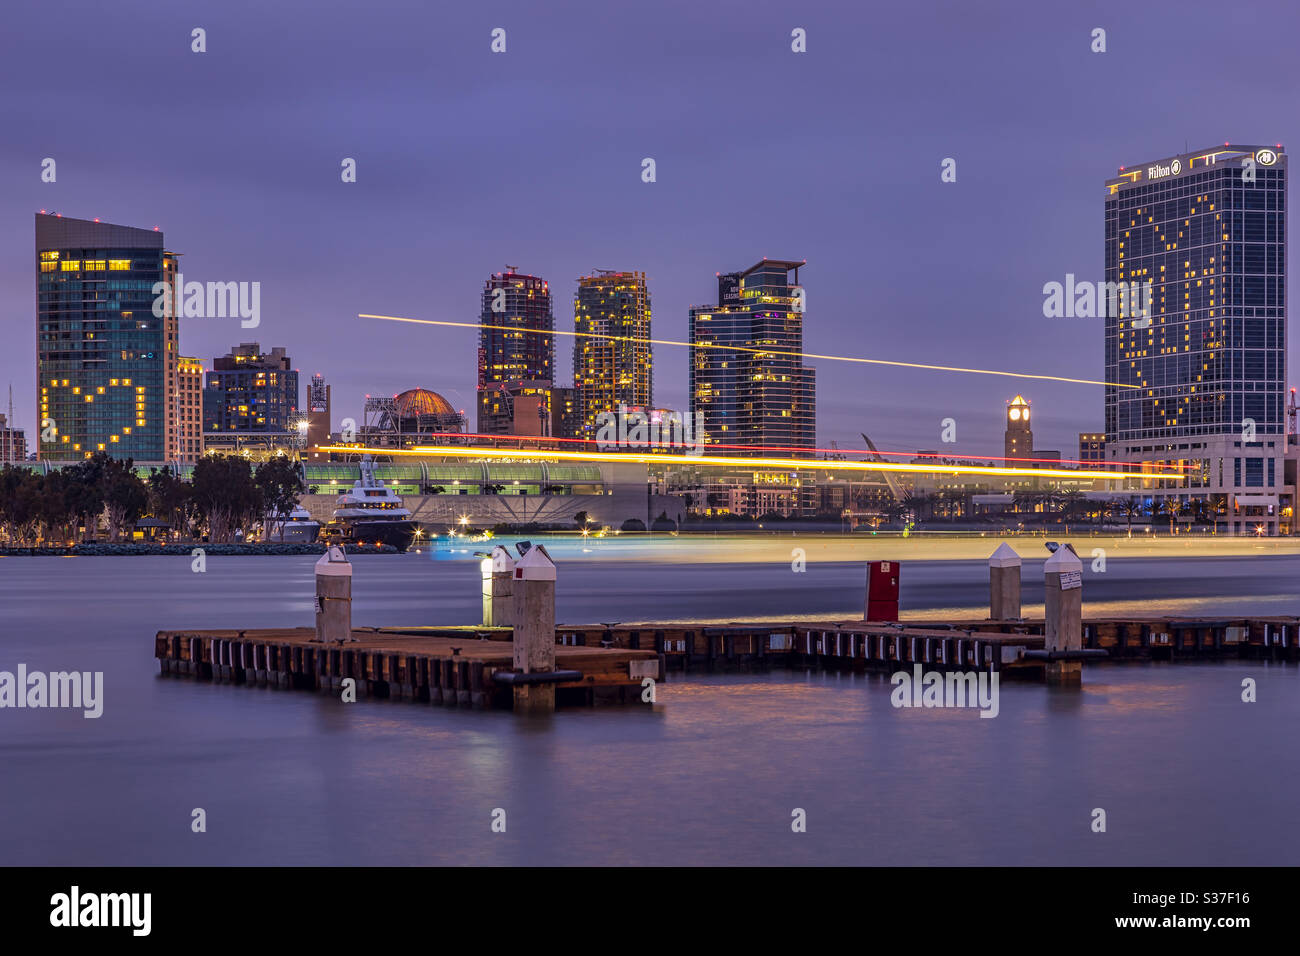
(1200,510)
(1172,508)
(1130,508)
(1072,501)
(1111,509)
(1027,500)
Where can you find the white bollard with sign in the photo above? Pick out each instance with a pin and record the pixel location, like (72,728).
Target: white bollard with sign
(1063,608)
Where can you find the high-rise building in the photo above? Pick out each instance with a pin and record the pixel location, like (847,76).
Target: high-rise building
(1199,382)
(747,377)
(189,409)
(13,443)
(106,365)
(251,396)
(1018,439)
(516,356)
(615,370)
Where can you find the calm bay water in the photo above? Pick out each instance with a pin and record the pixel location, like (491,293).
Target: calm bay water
(1187,773)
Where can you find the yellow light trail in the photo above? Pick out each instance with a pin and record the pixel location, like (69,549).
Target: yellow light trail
(742,348)
(799,464)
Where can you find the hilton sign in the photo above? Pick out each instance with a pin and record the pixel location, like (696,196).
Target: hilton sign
(1160,172)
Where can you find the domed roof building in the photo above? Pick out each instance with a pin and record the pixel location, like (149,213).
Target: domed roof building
(416,402)
(404,418)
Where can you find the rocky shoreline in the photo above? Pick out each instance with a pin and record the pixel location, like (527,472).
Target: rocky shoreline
(270,548)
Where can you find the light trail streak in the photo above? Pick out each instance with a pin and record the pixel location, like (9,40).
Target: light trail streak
(770,448)
(739,464)
(741,348)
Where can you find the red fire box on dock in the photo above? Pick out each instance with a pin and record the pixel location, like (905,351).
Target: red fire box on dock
(882,591)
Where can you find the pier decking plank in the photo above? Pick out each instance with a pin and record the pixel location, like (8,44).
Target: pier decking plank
(429,665)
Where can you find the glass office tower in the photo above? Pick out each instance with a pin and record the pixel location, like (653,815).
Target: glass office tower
(105,364)
(747,377)
(1201,381)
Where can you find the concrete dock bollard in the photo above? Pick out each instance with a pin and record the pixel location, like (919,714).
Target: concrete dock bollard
(1004,584)
(334,597)
(1063,625)
(498,574)
(533,620)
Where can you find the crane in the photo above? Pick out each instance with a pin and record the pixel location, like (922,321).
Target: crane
(896,488)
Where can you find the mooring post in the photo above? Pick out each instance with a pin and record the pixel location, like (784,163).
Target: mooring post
(1063,607)
(498,571)
(1004,584)
(334,597)
(533,620)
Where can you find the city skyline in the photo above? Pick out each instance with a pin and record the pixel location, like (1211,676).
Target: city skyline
(861,224)
(533,357)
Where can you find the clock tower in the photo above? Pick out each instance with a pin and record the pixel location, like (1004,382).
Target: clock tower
(1018,441)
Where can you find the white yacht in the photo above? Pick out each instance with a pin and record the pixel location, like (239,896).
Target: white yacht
(299,526)
(371,513)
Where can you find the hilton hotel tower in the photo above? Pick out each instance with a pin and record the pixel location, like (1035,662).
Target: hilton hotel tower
(1207,365)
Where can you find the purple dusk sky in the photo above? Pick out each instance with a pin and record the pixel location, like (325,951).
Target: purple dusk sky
(468,160)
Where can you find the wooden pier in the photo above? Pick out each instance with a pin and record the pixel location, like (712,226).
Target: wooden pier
(452,666)
(943,645)
(1178,638)
(456,666)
